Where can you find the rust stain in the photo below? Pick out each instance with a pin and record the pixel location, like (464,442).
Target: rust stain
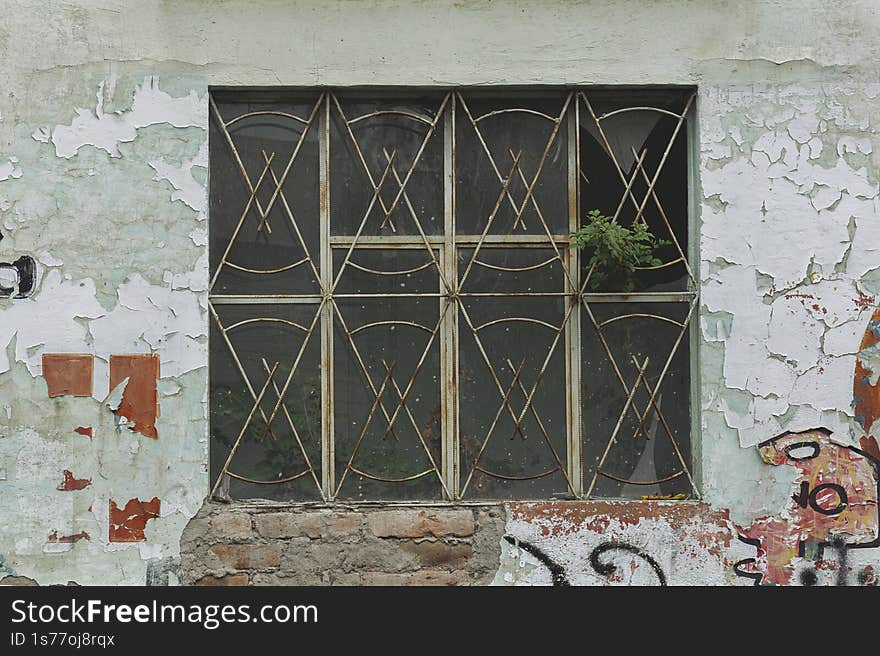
(72,484)
(864,301)
(627,513)
(709,527)
(866,397)
(69,539)
(84,430)
(127,524)
(68,374)
(140,400)
(869,445)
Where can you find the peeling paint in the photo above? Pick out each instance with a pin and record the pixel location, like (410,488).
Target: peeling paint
(103,205)
(127,524)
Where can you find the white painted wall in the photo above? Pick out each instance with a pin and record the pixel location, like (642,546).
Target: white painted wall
(102,168)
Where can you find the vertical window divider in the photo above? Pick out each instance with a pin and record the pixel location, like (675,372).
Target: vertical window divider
(328,477)
(573,404)
(449,334)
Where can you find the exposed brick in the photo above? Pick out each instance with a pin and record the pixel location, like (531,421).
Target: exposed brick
(422,577)
(232,526)
(227,580)
(439,554)
(344,524)
(248,556)
(290,524)
(421,523)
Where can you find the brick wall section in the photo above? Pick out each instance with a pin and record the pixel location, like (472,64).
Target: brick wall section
(237,544)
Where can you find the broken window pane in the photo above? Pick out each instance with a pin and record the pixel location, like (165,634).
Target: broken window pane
(638,446)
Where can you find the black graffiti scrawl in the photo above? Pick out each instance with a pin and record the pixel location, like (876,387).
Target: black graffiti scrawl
(601,565)
(25,269)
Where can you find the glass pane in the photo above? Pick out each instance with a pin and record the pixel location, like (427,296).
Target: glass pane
(490,131)
(386,271)
(634,333)
(365,133)
(511,270)
(387,348)
(503,359)
(632,135)
(270,463)
(269,254)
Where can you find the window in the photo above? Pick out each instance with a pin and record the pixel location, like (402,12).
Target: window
(397,311)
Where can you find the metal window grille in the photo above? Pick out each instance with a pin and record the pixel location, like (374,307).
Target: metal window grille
(398,312)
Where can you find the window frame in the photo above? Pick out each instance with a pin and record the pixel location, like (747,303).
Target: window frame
(447,245)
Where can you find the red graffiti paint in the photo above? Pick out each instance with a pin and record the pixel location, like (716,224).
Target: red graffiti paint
(84,430)
(127,524)
(71,484)
(69,539)
(836,495)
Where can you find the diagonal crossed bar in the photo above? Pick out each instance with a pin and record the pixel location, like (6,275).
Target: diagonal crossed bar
(268,420)
(295,225)
(517,419)
(264,212)
(376,402)
(529,196)
(232,451)
(641,369)
(557,120)
(390,419)
(504,403)
(309,468)
(389,210)
(418,223)
(652,401)
(649,193)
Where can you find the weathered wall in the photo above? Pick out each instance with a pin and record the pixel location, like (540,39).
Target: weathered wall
(103,215)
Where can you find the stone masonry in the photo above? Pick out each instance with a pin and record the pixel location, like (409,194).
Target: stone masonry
(251,545)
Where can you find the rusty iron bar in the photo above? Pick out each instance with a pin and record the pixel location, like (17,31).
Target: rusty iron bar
(443,252)
(241,433)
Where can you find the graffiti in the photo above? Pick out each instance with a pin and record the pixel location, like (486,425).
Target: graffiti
(557,572)
(608,569)
(605,568)
(25,276)
(835,506)
(25,270)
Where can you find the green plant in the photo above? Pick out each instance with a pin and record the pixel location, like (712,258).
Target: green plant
(616,251)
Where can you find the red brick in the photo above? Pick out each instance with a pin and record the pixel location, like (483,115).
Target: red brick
(248,556)
(290,524)
(421,578)
(228,580)
(231,526)
(439,554)
(421,523)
